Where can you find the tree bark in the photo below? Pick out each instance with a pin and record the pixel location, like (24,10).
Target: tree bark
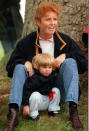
(73,17)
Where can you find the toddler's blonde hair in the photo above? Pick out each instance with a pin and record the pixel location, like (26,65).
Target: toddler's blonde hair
(44,59)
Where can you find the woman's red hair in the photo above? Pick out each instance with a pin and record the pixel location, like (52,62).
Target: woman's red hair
(45,7)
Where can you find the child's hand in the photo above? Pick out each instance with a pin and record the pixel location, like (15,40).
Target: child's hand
(26,110)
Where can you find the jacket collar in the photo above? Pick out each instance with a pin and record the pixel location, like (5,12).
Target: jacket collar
(59,42)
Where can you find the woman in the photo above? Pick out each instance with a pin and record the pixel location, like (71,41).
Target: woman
(69,59)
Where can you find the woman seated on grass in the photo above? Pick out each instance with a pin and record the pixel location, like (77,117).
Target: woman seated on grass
(39,92)
(69,59)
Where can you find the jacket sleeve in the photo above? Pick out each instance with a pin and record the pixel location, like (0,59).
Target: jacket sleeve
(75,52)
(24,51)
(17,57)
(31,85)
(26,92)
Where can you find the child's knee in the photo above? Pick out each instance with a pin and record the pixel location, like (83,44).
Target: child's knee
(35,96)
(56,90)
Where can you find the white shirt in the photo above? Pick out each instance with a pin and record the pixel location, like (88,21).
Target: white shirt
(47,46)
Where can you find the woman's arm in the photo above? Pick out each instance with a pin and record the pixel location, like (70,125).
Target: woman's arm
(29,67)
(60,59)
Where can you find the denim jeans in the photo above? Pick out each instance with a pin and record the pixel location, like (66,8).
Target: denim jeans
(19,76)
(67,82)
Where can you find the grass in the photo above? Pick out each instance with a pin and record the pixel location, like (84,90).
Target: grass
(1,52)
(59,123)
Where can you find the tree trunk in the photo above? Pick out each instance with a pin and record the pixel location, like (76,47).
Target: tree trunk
(73,18)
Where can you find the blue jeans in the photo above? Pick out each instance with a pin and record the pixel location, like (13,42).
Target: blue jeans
(67,82)
(19,76)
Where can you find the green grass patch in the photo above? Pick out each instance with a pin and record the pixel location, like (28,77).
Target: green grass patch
(1,53)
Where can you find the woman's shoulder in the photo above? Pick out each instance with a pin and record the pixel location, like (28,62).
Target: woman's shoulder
(63,35)
(31,35)
(29,38)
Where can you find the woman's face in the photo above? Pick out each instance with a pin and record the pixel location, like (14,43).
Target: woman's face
(48,24)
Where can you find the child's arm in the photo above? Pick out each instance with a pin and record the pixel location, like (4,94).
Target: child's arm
(26,110)
(26,92)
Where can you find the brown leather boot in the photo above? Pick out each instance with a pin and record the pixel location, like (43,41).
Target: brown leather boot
(12,120)
(74,118)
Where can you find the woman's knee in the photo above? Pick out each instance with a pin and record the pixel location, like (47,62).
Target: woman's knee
(20,71)
(20,67)
(70,61)
(69,65)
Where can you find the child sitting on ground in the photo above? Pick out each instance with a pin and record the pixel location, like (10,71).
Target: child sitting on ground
(39,91)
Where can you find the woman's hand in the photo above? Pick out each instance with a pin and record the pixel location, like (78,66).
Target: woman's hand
(29,68)
(59,60)
(26,110)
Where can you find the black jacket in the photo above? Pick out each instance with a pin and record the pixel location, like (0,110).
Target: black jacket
(26,49)
(39,83)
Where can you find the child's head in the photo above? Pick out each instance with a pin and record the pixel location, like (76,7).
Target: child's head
(44,63)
